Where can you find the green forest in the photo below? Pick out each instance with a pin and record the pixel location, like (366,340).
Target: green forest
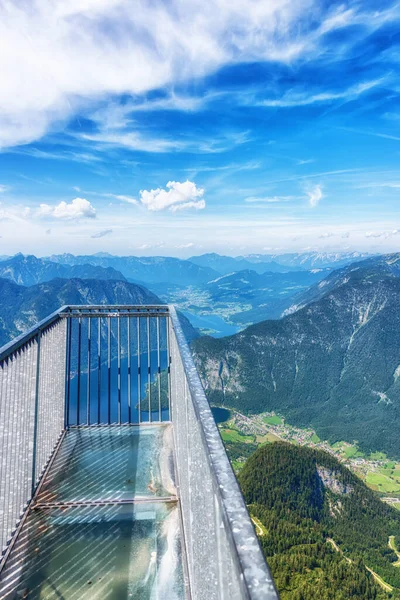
(324,527)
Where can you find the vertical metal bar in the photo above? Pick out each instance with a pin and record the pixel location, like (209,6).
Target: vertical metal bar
(67,372)
(29,413)
(168,323)
(149,366)
(119,368)
(159,370)
(129,369)
(139,373)
(36,414)
(98,369)
(70,322)
(20,434)
(109,369)
(89,335)
(10,395)
(78,400)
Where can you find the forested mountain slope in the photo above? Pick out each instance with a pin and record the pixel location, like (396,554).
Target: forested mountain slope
(321,525)
(335,364)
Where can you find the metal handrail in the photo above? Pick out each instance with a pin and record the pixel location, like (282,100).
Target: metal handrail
(67,311)
(258,581)
(30,334)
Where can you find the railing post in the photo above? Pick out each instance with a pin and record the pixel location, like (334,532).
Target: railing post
(36,413)
(67,372)
(78,398)
(149,366)
(129,371)
(89,349)
(168,325)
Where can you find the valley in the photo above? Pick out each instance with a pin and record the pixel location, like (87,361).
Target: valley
(332,365)
(379,472)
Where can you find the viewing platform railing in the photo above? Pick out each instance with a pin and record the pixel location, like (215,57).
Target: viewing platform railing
(88,366)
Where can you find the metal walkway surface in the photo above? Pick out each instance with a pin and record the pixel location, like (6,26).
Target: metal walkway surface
(105,522)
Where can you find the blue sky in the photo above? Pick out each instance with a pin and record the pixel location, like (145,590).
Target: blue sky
(178,128)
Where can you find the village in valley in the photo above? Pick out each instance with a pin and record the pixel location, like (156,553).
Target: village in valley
(376,470)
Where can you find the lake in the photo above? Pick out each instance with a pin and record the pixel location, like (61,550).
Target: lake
(215,322)
(220,414)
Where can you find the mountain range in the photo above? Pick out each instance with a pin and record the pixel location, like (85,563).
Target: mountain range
(22,307)
(220,294)
(282,263)
(228,264)
(29,270)
(333,364)
(146,270)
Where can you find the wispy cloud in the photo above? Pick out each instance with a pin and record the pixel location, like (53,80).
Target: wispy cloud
(136,140)
(247,166)
(386,136)
(113,196)
(63,155)
(148,246)
(382,234)
(303,98)
(306,161)
(315,195)
(380,184)
(270,199)
(185,246)
(81,51)
(101,234)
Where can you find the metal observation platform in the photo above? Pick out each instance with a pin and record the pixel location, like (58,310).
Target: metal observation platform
(114,482)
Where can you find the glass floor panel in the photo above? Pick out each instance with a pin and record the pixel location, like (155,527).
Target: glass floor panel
(113,552)
(112,463)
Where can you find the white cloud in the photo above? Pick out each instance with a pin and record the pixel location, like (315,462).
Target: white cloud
(315,195)
(79,208)
(58,56)
(382,234)
(177,196)
(183,246)
(151,246)
(3,188)
(328,234)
